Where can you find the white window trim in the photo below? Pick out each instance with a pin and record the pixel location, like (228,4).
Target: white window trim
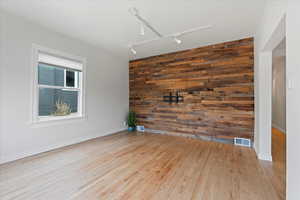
(81,114)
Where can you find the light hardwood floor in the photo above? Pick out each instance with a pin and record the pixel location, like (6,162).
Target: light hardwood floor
(133,166)
(276,170)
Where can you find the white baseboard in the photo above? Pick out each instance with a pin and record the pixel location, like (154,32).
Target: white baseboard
(262,156)
(278,127)
(265,157)
(9,158)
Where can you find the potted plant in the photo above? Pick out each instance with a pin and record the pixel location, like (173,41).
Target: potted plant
(62,109)
(131,121)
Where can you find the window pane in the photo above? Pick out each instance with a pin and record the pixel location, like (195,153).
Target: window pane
(70,78)
(50,75)
(48,98)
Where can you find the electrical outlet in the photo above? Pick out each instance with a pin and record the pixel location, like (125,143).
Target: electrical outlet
(124,123)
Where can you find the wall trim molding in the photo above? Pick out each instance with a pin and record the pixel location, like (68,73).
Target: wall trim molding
(262,156)
(93,135)
(265,157)
(192,136)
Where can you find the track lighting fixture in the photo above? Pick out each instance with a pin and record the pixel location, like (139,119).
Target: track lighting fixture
(133,11)
(142,29)
(177,40)
(145,24)
(133,50)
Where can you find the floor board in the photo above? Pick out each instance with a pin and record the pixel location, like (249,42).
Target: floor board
(142,166)
(276,171)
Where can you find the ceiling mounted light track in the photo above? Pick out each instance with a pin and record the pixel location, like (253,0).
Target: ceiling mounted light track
(132,50)
(142,29)
(135,13)
(175,37)
(177,40)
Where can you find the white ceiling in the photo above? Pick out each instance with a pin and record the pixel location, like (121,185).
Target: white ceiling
(109,24)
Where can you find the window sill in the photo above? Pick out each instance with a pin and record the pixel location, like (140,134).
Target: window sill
(57,120)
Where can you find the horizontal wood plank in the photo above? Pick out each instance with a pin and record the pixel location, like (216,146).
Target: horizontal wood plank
(216,82)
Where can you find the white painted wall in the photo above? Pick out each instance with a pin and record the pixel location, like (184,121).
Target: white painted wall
(1,75)
(273,17)
(106,89)
(264,41)
(293,100)
(278,89)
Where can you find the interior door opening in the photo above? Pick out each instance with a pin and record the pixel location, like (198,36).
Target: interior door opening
(279,115)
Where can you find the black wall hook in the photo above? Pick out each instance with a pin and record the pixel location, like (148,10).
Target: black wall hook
(173,98)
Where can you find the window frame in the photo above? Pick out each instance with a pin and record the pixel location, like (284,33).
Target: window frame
(81,112)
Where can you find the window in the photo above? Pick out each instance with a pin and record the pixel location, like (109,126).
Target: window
(58,86)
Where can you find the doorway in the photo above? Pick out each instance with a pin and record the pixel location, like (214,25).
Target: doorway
(278,140)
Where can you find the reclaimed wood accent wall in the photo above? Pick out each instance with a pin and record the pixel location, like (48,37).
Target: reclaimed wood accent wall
(216,82)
